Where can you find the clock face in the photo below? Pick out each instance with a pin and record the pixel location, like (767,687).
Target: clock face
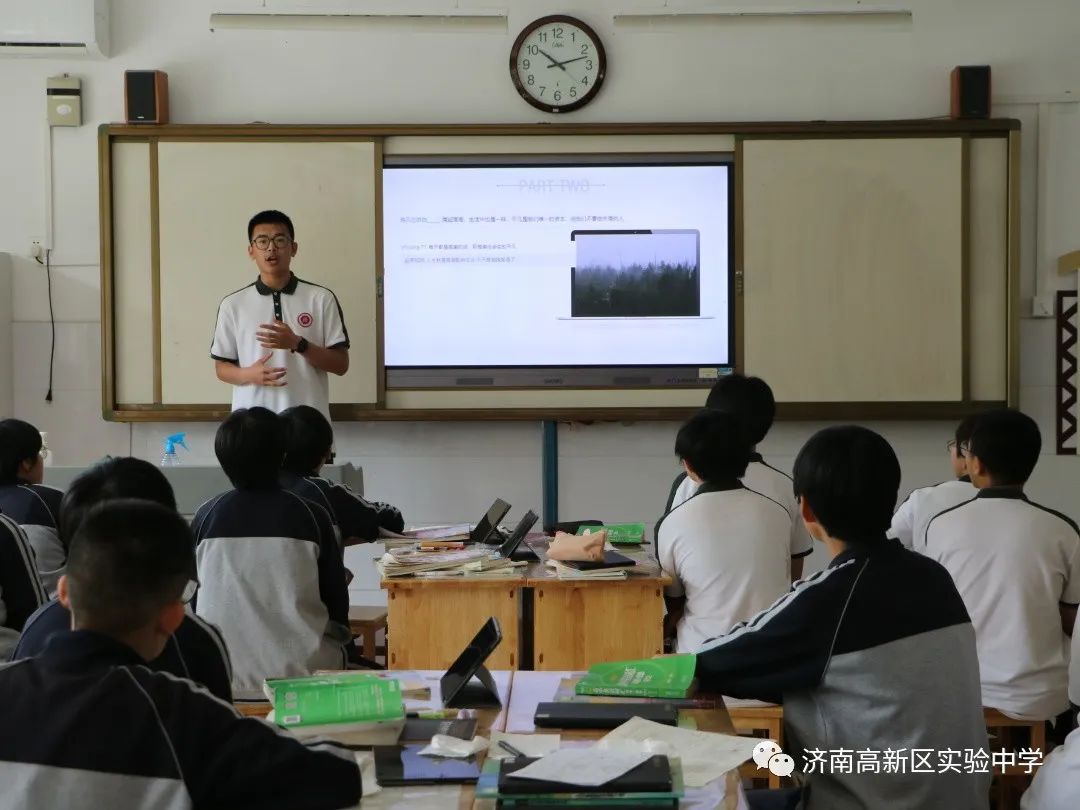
(557,64)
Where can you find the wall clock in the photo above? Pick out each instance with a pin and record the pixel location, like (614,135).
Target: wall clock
(558,64)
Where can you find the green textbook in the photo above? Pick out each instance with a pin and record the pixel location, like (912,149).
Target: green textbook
(628,534)
(670,677)
(347,701)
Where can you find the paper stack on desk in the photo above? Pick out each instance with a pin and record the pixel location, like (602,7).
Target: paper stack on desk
(467,562)
(566,572)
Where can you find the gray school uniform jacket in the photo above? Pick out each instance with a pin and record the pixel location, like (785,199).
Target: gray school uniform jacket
(874,653)
(272,579)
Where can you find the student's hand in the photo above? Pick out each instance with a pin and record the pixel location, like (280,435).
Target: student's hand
(277,335)
(261,374)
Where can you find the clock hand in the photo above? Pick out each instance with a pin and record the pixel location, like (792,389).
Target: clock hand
(567,62)
(554,62)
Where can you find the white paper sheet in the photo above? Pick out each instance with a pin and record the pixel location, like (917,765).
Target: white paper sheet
(705,756)
(581,766)
(531,745)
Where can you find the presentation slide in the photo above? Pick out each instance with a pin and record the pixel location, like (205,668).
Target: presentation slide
(540,266)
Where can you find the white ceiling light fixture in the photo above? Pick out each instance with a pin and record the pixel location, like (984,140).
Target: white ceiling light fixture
(449,21)
(681,18)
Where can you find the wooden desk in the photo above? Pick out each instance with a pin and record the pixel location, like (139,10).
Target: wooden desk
(578,623)
(531,688)
(567,624)
(430,621)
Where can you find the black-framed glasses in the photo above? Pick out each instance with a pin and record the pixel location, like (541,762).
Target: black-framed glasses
(263,242)
(189,591)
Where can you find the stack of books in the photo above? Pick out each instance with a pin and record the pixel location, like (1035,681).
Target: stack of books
(335,704)
(472,562)
(670,677)
(565,571)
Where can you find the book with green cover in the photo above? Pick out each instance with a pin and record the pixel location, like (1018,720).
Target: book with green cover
(627,534)
(345,701)
(670,677)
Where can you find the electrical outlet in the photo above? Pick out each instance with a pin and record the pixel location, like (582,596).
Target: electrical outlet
(37,249)
(1042,306)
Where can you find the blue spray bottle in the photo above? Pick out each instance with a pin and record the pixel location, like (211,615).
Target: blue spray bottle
(171,459)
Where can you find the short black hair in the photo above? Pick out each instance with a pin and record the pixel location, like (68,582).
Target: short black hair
(250,446)
(19,442)
(128,559)
(714,444)
(966,428)
(308,439)
(1008,443)
(749,398)
(270,217)
(109,480)
(849,476)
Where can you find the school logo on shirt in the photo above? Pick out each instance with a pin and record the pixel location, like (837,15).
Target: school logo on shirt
(305,319)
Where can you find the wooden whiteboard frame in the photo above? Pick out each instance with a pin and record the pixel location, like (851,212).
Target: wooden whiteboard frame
(146,412)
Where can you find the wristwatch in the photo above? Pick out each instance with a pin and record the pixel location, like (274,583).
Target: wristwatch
(301,346)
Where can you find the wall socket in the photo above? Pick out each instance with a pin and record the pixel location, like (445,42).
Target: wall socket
(1042,306)
(37,249)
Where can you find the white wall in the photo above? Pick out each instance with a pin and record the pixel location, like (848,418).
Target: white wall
(741,71)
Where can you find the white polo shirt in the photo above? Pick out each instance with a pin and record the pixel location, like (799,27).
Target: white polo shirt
(1014,562)
(1057,782)
(312,311)
(764,478)
(909,522)
(727,550)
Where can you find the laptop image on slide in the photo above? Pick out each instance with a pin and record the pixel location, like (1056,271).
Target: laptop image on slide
(487,530)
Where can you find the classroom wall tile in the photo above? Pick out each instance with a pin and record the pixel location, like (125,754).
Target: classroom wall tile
(1037,351)
(78,436)
(75,292)
(77,365)
(437,439)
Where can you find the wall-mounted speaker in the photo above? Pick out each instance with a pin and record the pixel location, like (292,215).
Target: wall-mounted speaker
(146,96)
(970,92)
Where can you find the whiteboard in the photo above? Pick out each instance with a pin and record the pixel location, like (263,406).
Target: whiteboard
(207,193)
(853,265)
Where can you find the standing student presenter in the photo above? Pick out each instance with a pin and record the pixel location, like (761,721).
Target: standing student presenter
(277,338)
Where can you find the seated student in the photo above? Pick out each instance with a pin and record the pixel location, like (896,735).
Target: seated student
(21,591)
(1017,566)
(874,652)
(93,727)
(751,400)
(196,650)
(25,500)
(269,563)
(308,439)
(1057,782)
(909,522)
(726,548)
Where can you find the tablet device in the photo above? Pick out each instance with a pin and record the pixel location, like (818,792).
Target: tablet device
(489,522)
(651,776)
(513,541)
(612,559)
(455,688)
(602,715)
(402,765)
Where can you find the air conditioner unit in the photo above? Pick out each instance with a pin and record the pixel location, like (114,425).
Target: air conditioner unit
(54,28)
